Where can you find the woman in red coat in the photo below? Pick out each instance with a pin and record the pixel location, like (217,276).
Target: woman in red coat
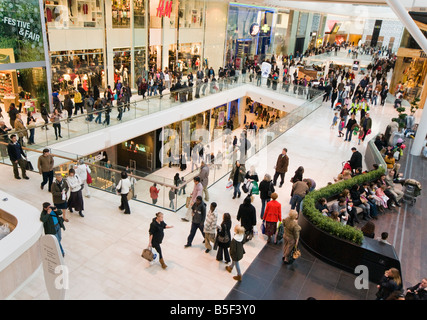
(272,214)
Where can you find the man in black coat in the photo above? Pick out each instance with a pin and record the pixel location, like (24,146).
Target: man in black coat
(198,220)
(356,159)
(16,156)
(419,291)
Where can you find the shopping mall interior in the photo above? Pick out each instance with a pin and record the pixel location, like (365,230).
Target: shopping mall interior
(158,97)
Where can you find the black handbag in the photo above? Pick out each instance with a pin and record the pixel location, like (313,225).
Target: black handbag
(29,166)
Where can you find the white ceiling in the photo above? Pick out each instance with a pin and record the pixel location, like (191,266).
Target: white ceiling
(351,8)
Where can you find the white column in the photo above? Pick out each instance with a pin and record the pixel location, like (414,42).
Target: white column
(408,22)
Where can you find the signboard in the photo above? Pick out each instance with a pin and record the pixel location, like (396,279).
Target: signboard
(54,270)
(265,69)
(21,30)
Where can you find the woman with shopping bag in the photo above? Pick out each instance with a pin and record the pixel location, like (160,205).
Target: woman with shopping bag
(156,235)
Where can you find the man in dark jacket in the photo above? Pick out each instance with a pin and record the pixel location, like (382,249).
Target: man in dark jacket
(52,222)
(198,220)
(16,156)
(419,291)
(356,159)
(351,123)
(281,167)
(247,217)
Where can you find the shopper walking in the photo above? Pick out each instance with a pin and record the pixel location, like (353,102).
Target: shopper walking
(154,193)
(281,167)
(123,188)
(291,234)
(198,220)
(197,192)
(75,201)
(247,217)
(83,171)
(266,189)
(45,165)
(237,175)
(156,235)
(16,156)
(53,222)
(210,226)
(59,191)
(224,238)
(237,251)
(272,214)
(204,178)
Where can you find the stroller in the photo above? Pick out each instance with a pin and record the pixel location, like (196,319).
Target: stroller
(346,166)
(412,189)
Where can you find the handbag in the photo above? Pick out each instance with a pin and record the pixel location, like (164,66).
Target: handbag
(296,253)
(29,166)
(89,178)
(147,254)
(130,194)
(263,227)
(187,202)
(223,239)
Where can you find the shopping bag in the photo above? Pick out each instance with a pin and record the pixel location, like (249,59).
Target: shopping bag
(89,178)
(229,185)
(255,187)
(147,254)
(263,227)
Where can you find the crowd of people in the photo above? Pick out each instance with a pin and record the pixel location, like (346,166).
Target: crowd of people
(346,98)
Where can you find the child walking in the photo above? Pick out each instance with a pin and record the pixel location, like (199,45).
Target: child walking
(236,251)
(334,120)
(341,127)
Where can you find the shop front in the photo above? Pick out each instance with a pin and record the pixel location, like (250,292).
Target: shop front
(23,77)
(77,67)
(250,34)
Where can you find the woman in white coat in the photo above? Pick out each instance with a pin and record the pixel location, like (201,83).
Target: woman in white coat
(82,171)
(123,188)
(75,200)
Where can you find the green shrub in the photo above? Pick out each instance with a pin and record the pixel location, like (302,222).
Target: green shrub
(328,225)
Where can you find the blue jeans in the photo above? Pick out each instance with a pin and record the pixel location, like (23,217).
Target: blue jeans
(296,202)
(98,118)
(348,134)
(58,236)
(236,189)
(236,263)
(264,203)
(31,138)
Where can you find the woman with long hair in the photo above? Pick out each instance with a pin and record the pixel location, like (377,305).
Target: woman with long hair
(390,282)
(224,238)
(75,200)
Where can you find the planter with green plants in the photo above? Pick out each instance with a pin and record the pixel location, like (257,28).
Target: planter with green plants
(326,224)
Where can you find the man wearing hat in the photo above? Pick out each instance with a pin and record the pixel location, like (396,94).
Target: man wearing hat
(45,166)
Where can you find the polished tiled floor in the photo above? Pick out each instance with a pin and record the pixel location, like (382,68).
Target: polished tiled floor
(103,249)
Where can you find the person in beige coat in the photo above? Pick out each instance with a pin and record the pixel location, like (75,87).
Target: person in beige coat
(291,235)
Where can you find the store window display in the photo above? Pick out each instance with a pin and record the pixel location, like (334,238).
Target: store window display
(121,13)
(74,13)
(191,13)
(71,68)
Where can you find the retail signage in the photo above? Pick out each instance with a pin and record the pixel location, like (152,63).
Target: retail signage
(54,270)
(164,9)
(254,30)
(21,29)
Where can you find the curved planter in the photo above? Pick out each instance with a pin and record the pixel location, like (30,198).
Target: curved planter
(376,256)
